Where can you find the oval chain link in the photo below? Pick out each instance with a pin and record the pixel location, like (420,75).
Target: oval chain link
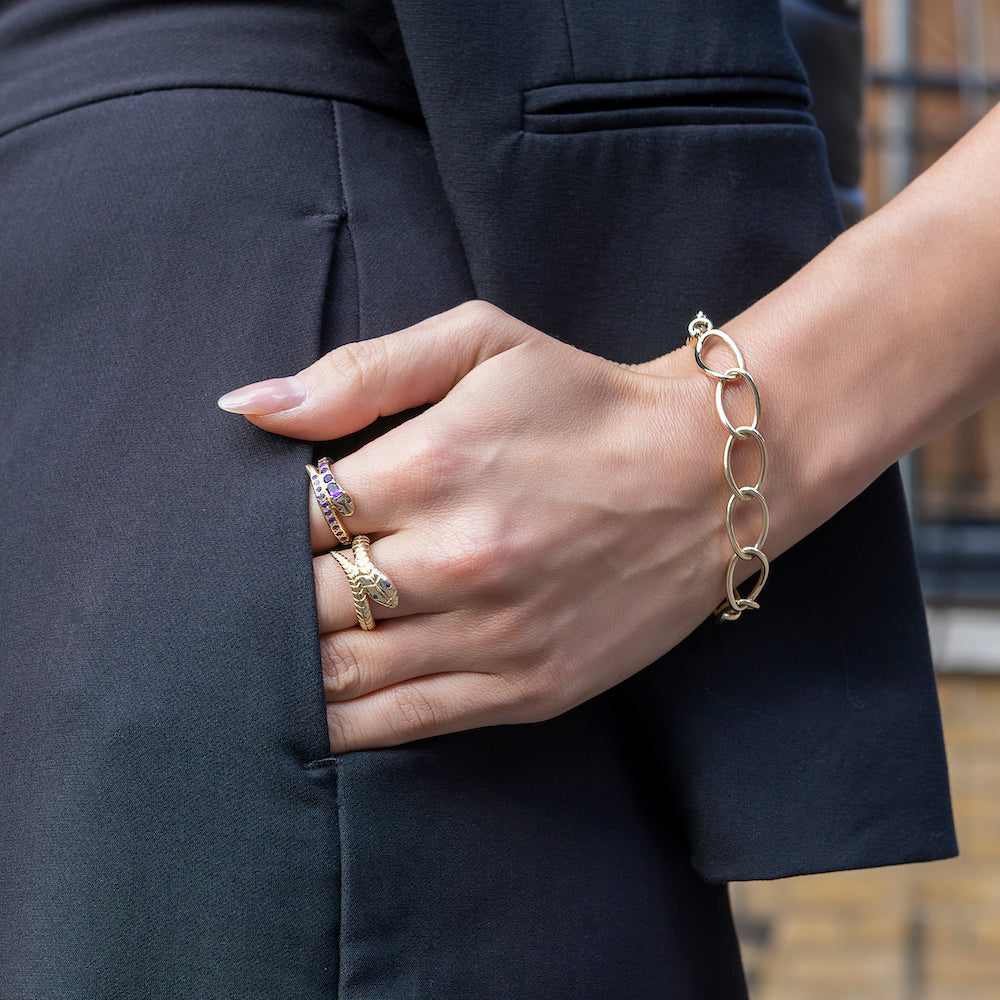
(732,376)
(700,329)
(743,434)
(747,493)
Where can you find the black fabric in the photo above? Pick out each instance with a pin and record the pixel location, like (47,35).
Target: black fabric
(828,36)
(523,863)
(161,698)
(653,224)
(199,195)
(59,54)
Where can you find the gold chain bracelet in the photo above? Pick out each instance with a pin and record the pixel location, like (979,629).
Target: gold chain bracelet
(700,329)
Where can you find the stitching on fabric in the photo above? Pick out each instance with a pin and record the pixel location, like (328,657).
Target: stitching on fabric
(322,764)
(333,764)
(659,77)
(338,804)
(334,107)
(338,809)
(675,127)
(569,38)
(335,218)
(118,96)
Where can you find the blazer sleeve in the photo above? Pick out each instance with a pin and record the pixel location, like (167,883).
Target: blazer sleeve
(613,168)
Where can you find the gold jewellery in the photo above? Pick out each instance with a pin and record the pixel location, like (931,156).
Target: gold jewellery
(367,581)
(700,329)
(332,498)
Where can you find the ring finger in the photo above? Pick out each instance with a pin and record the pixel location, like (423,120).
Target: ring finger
(418,590)
(374,484)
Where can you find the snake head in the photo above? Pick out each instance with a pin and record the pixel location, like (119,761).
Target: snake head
(383,592)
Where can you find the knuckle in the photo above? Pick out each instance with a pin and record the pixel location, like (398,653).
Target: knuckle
(544,689)
(343,672)
(428,459)
(533,679)
(363,365)
(530,696)
(472,559)
(562,685)
(482,321)
(411,711)
(478,313)
(527,697)
(414,461)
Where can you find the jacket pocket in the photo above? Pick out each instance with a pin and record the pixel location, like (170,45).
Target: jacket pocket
(626,104)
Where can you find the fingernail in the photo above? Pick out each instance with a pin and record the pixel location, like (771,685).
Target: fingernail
(270,396)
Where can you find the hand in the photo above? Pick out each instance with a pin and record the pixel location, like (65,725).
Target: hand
(552,524)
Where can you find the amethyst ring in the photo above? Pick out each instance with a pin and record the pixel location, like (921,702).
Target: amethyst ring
(333,500)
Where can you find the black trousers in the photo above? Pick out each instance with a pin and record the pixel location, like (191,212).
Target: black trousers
(195,197)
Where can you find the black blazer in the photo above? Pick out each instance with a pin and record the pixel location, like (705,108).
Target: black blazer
(609,179)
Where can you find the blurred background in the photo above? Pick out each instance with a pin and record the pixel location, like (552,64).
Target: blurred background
(916,932)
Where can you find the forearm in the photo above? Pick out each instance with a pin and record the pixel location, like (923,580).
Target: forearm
(888,336)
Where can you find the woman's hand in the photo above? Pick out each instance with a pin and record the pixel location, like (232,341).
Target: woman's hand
(552,524)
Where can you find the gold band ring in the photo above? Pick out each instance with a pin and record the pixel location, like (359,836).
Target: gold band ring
(333,499)
(335,524)
(367,581)
(361,606)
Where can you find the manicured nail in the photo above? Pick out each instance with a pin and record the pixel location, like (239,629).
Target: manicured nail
(270,396)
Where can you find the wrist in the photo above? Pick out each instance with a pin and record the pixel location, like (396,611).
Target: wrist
(716,478)
(811,467)
(814,344)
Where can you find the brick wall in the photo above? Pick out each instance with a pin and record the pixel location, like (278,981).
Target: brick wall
(916,932)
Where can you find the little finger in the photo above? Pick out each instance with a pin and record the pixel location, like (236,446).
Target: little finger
(357,662)
(423,707)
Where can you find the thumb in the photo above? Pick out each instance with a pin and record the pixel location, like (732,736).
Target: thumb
(352,386)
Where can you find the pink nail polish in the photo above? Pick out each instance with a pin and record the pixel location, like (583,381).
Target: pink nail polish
(270,396)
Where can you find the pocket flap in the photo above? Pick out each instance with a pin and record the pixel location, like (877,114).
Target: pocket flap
(585,107)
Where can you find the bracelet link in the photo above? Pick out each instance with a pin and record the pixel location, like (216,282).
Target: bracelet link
(700,329)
